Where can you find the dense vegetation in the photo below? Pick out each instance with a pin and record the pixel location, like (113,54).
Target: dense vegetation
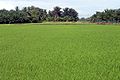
(59,52)
(34,14)
(108,15)
(68,14)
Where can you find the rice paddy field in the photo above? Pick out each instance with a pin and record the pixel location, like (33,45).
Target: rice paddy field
(59,52)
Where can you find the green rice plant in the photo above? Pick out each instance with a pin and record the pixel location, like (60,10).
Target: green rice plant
(59,52)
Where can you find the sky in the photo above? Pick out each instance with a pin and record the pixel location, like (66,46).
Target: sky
(85,8)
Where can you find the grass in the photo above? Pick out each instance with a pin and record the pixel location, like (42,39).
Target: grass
(59,52)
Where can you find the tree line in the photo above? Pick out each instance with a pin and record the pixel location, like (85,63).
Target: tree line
(108,15)
(34,14)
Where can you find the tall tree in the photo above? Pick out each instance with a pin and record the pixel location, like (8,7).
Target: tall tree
(16,8)
(33,14)
(108,15)
(70,14)
(56,13)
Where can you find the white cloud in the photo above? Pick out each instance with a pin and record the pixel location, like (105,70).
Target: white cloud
(6,4)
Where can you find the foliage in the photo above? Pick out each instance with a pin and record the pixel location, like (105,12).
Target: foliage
(26,15)
(34,15)
(108,15)
(67,15)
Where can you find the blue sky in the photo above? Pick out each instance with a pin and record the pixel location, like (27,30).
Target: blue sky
(85,7)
